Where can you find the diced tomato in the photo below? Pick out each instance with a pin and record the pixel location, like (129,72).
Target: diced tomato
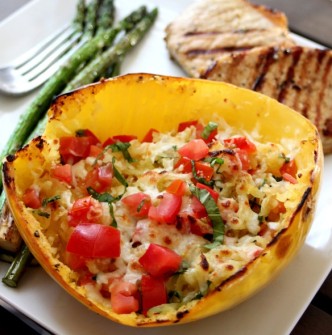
(119,138)
(73,148)
(194,208)
(244,158)
(199,130)
(124,297)
(108,141)
(160,261)
(214,194)
(85,210)
(149,135)
(198,208)
(184,125)
(177,187)
(138,204)
(86,278)
(94,240)
(31,198)
(88,133)
(95,151)
(100,177)
(201,227)
(62,173)
(105,174)
(153,292)
(193,218)
(242,143)
(74,261)
(203,170)
(185,164)
(244,147)
(290,168)
(167,209)
(195,149)
(289,178)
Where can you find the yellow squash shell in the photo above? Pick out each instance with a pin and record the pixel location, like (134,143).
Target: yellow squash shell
(134,103)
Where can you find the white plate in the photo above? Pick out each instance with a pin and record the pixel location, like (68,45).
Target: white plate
(274,310)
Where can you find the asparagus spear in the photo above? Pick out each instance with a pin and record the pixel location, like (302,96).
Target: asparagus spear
(99,64)
(56,84)
(106,15)
(91,18)
(80,16)
(17,267)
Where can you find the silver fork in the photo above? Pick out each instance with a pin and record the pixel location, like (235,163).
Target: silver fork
(34,67)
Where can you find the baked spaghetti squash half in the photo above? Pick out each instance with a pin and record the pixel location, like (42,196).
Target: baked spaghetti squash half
(160,200)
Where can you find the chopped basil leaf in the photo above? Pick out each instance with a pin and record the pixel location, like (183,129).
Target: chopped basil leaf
(215,161)
(198,178)
(213,213)
(118,175)
(123,148)
(49,200)
(43,214)
(105,197)
(141,204)
(208,129)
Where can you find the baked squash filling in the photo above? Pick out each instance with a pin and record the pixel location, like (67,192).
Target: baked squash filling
(149,225)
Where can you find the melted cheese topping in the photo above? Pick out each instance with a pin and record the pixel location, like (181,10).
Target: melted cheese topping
(247,199)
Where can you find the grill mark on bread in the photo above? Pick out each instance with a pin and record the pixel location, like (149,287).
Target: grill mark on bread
(209,30)
(306,66)
(248,46)
(322,92)
(195,52)
(284,87)
(300,77)
(269,58)
(234,31)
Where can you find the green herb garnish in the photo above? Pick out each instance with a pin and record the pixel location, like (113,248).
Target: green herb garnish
(215,161)
(123,148)
(213,213)
(208,129)
(118,175)
(49,200)
(108,198)
(43,214)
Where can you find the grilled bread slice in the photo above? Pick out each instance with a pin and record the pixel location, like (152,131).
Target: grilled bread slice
(297,76)
(210,30)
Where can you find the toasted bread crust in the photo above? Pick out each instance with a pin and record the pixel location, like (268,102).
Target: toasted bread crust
(249,46)
(211,30)
(299,77)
